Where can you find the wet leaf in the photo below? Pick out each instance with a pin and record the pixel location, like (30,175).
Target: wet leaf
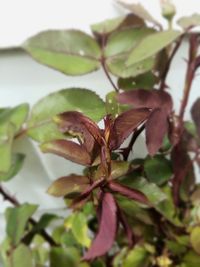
(56,49)
(68,184)
(189,21)
(68,150)
(151,45)
(107,229)
(158,169)
(145,81)
(17,219)
(41,126)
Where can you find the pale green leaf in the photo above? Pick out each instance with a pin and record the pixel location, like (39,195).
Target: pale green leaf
(21,257)
(189,21)
(16,165)
(195,239)
(137,257)
(70,51)
(77,222)
(151,45)
(17,219)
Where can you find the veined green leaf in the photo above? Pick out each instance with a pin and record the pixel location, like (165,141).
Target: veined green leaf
(41,126)
(70,51)
(151,45)
(17,219)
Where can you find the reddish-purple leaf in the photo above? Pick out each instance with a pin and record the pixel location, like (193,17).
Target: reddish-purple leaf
(68,184)
(156,128)
(195,111)
(107,229)
(181,165)
(76,123)
(84,196)
(127,228)
(69,150)
(128,192)
(125,124)
(147,99)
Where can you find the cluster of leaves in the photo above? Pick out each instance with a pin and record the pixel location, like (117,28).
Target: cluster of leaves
(125,212)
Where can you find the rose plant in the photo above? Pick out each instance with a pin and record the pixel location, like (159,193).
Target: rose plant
(125,211)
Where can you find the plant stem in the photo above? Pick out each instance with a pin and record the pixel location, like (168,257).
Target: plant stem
(168,65)
(16,203)
(108,76)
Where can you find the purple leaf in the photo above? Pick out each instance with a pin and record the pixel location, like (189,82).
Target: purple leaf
(128,192)
(195,111)
(181,165)
(107,229)
(76,123)
(147,99)
(156,128)
(68,150)
(68,184)
(125,124)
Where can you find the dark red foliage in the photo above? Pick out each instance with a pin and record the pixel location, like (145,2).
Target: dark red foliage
(68,150)
(156,128)
(160,103)
(107,228)
(128,192)
(125,124)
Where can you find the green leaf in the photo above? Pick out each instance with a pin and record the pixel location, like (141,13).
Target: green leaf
(11,120)
(151,45)
(123,41)
(137,257)
(64,257)
(191,259)
(16,116)
(21,257)
(108,26)
(116,65)
(68,184)
(77,222)
(41,127)
(158,169)
(191,128)
(144,81)
(70,51)
(6,140)
(40,251)
(195,239)
(140,11)
(189,21)
(16,165)
(150,190)
(113,107)
(117,50)
(17,219)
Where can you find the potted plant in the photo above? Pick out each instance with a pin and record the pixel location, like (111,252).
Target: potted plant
(124,211)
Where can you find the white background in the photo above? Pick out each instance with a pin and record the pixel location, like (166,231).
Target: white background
(23,80)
